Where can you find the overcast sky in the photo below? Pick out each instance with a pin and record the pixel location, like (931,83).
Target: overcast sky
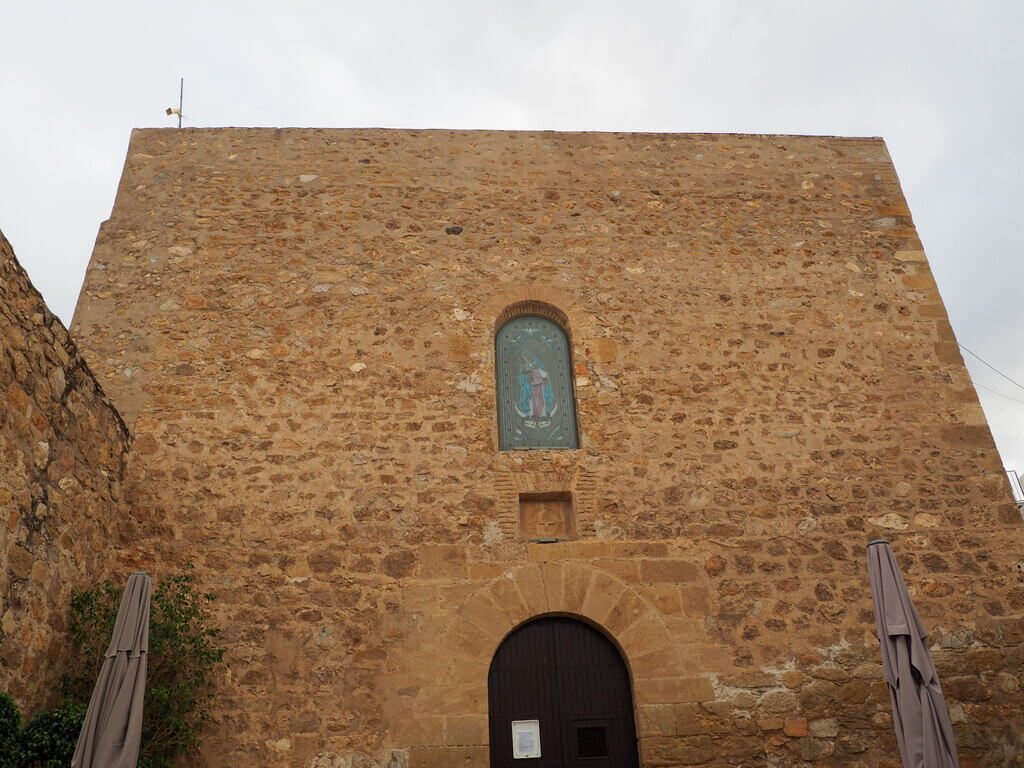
(940,81)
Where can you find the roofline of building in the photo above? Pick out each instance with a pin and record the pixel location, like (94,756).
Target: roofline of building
(529,131)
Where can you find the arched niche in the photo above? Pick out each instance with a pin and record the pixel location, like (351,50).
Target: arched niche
(534,384)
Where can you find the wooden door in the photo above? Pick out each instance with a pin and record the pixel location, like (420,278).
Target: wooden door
(573,681)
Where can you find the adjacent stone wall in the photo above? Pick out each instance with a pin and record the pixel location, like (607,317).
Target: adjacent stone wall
(299,325)
(62,456)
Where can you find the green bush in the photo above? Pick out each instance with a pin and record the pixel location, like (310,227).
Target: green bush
(47,740)
(10,720)
(183,657)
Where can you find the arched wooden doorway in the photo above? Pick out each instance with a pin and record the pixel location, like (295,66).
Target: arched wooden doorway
(571,680)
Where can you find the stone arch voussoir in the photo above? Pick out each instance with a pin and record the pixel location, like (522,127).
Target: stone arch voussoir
(562,588)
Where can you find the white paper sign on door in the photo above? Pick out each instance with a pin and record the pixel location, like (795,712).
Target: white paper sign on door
(525,739)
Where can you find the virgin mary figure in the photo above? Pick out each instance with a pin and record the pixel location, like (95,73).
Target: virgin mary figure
(536,397)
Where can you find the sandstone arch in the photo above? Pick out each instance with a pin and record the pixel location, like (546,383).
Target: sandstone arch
(450,656)
(575,589)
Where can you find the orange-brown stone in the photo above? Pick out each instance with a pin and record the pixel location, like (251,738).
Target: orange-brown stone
(299,328)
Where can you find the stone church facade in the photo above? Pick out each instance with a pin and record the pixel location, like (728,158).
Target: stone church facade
(303,331)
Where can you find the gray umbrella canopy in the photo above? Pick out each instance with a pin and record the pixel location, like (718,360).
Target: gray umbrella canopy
(919,714)
(113,724)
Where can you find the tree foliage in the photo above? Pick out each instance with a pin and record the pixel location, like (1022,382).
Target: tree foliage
(47,740)
(183,657)
(181,664)
(10,720)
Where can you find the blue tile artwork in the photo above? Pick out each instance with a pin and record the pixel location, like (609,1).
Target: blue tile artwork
(536,408)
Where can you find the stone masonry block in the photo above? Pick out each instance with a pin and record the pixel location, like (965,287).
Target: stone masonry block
(550,552)
(465,730)
(646,633)
(666,600)
(667,572)
(426,729)
(449,757)
(442,562)
(19,562)
(505,595)
(688,719)
(602,597)
(679,751)
(910,256)
(918,282)
(652,661)
(552,575)
(626,569)
(674,689)
(575,583)
(531,589)
(455,696)
(626,611)
(948,352)
(687,630)
(696,600)
(486,616)
(655,720)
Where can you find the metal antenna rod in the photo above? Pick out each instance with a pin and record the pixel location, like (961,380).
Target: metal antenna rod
(181,99)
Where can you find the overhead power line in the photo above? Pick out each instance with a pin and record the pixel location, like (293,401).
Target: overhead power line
(1007,397)
(989,365)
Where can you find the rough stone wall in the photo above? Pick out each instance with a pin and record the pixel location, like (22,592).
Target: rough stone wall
(766,380)
(62,454)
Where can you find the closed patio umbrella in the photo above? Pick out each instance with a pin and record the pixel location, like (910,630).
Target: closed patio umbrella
(113,723)
(923,730)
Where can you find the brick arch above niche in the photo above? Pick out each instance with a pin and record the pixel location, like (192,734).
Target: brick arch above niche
(533,307)
(559,306)
(533,473)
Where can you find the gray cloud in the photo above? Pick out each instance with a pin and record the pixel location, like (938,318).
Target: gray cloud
(941,86)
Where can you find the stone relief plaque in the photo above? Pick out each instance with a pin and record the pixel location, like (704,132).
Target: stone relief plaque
(546,516)
(536,408)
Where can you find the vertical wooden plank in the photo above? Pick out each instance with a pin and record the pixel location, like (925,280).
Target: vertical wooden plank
(567,675)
